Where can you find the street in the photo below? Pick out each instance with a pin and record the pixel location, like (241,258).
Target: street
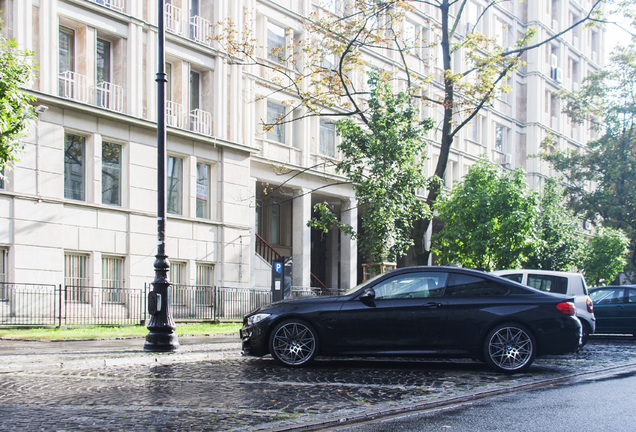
(114,385)
(606,404)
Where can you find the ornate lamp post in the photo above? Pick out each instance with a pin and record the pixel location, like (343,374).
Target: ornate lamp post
(161,336)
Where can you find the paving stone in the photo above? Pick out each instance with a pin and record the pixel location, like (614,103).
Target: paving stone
(230,393)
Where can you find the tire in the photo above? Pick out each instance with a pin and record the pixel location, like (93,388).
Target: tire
(509,348)
(293,343)
(585,337)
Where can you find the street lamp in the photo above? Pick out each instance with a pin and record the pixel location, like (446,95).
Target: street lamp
(161,336)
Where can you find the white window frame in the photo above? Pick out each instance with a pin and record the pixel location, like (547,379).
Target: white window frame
(113,278)
(174,185)
(276,43)
(111,176)
(277,131)
(77,276)
(74,173)
(204,191)
(327,131)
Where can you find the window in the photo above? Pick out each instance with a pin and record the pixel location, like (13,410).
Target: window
(548,283)
(195,91)
(500,138)
(276,224)
(412,285)
(174,187)
(474,132)
(607,296)
(194,12)
(517,277)
(203,190)
(205,284)
(103,61)
(4,269)
(331,5)
(178,277)
(76,277)
(111,173)
(66,59)
(411,37)
(275,114)
(327,138)
(275,43)
(462,285)
(113,279)
(74,166)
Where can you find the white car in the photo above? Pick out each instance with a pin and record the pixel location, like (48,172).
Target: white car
(562,283)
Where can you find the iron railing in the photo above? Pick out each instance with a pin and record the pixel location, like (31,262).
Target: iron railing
(24,304)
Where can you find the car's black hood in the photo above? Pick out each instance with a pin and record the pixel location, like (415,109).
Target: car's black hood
(295,301)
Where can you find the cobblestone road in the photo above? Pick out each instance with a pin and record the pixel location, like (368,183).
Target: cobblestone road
(213,389)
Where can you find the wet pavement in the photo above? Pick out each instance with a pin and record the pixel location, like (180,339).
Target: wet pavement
(112,385)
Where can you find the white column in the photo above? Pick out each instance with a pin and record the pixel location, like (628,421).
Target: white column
(349,246)
(301,243)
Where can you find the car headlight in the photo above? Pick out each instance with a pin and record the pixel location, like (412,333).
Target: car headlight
(256,318)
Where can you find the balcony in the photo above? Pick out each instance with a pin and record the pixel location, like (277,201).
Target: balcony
(73,86)
(109,96)
(200,30)
(201,122)
(117,5)
(174,19)
(174,115)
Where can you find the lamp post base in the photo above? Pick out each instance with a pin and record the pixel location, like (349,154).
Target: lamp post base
(157,341)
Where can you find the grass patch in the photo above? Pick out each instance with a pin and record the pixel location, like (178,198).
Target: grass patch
(113,332)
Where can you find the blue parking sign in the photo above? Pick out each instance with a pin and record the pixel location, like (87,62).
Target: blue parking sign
(278,267)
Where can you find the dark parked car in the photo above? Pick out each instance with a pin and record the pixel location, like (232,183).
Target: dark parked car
(421,311)
(615,309)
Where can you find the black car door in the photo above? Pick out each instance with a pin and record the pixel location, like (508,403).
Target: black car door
(472,304)
(405,315)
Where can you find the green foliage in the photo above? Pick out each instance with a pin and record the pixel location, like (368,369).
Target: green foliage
(16,71)
(384,162)
(601,182)
(489,219)
(605,257)
(561,240)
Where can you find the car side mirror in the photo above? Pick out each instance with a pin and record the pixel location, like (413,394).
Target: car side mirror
(368,295)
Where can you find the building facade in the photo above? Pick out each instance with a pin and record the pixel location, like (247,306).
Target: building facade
(80,205)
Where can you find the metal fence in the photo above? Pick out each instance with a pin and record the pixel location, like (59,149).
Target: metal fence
(59,305)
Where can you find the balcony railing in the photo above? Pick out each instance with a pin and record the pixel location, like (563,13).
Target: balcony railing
(174,114)
(74,86)
(109,96)
(117,5)
(174,19)
(201,122)
(200,30)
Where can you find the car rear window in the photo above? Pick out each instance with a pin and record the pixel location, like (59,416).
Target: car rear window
(548,283)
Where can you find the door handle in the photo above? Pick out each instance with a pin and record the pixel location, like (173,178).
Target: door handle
(432,305)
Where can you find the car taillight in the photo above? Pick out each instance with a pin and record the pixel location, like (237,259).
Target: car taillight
(590,305)
(567,308)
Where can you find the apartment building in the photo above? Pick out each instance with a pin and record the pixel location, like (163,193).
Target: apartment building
(80,206)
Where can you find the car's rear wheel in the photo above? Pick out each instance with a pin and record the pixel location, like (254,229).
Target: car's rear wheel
(293,343)
(587,331)
(509,347)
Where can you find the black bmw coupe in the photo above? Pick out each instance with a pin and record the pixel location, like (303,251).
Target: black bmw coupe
(419,311)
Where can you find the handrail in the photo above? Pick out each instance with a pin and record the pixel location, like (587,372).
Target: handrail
(266,250)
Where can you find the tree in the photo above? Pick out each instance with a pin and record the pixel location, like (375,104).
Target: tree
(605,257)
(601,182)
(16,71)
(489,219)
(319,73)
(561,239)
(383,161)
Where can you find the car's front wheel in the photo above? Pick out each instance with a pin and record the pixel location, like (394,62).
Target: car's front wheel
(293,343)
(509,347)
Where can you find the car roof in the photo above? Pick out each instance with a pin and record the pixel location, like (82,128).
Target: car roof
(544,272)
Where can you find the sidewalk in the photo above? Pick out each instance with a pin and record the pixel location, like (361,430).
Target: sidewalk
(17,355)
